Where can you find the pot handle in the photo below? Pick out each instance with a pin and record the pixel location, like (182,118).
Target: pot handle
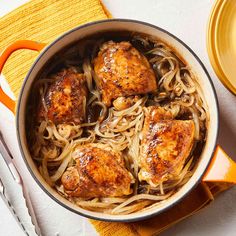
(221,169)
(20,44)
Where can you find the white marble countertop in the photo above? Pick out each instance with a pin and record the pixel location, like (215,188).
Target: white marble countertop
(187,19)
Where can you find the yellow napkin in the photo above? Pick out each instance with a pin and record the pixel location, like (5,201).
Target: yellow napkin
(43,21)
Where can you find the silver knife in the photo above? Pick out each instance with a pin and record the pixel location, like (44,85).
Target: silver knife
(16,176)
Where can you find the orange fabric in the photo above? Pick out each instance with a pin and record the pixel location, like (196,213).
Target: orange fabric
(43,21)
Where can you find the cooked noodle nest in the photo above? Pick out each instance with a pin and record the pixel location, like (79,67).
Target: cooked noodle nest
(120,130)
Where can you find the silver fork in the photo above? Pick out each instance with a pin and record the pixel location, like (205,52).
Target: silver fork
(10,207)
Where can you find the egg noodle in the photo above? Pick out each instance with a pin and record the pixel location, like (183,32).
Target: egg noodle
(52,146)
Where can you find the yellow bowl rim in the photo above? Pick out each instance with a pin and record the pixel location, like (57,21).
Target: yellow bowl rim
(215,15)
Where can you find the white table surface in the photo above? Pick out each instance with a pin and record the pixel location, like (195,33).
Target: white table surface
(187,19)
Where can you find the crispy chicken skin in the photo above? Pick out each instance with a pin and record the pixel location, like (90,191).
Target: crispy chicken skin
(166,144)
(122,71)
(64,98)
(98,172)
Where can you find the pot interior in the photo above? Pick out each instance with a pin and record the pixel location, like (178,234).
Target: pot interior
(139,27)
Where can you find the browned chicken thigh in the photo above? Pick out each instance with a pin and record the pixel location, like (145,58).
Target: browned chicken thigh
(166,144)
(98,172)
(122,71)
(65,98)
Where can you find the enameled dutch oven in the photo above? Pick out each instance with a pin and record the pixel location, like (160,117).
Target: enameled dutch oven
(213,166)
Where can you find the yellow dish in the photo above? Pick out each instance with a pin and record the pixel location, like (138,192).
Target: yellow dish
(221,42)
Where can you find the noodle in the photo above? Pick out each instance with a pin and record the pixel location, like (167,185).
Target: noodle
(61,169)
(64,153)
(140,197)
(45,173)
(132,208)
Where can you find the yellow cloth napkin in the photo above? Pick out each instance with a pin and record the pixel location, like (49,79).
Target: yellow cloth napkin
(43,21)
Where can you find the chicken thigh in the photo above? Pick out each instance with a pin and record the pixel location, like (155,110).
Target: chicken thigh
(98,172)
(65,98)
(166,144)
(121,70)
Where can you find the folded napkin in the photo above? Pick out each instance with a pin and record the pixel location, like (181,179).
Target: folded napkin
(43,21)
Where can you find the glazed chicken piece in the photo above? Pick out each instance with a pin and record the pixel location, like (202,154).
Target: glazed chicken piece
(98,172)
(65,98)
(166,144)
(121,70)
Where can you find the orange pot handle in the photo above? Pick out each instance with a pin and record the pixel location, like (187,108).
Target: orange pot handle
(221,169)
(21,44)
